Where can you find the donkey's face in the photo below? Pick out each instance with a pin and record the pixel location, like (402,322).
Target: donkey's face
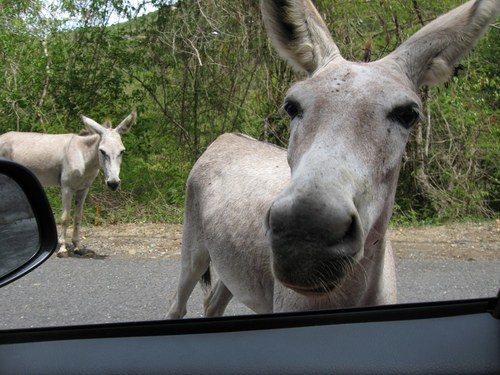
(349,126)
(110,148)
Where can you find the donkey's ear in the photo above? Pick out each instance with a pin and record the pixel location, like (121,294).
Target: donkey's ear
(298,33)
(126,124)
(92,125)
(430,55)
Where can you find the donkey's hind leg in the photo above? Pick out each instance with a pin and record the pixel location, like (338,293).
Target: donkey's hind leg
(218,299)
(194,263)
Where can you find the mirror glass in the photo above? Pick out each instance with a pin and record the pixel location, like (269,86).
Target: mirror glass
(19,238)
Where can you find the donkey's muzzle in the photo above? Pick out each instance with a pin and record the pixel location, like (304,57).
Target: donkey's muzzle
(314,243)
(113,185)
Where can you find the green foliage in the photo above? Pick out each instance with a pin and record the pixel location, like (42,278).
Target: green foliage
(464,150)
(194,70)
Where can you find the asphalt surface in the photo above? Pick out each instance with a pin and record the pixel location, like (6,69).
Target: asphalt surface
(74,291)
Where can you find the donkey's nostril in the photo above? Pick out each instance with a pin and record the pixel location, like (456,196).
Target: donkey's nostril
(343,231)
(277,219)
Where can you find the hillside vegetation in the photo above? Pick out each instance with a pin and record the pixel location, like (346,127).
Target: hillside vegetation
(196,69)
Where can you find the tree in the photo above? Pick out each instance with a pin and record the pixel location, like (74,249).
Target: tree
(195,69)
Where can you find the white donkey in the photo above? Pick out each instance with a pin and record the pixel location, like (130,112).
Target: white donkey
(72,162)
(306,229)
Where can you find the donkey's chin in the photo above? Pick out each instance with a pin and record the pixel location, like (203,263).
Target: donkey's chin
(311,291)
(315,278)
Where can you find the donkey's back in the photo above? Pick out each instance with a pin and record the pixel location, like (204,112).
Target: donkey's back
(44,154)
(228,192)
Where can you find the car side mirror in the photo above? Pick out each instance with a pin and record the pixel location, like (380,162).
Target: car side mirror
(28,234)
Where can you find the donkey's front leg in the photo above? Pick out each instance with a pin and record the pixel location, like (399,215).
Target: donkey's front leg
(80,197)
(66,207)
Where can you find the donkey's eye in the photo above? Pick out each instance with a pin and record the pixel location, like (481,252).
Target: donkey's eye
(407,115)
(293,109)
(103,153)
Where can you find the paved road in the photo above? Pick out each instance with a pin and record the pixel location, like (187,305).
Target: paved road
(84,291)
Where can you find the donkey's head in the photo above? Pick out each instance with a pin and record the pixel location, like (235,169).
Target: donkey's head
(350,123)
(110,148)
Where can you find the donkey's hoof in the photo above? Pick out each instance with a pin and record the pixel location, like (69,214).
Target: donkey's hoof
(84,253)
(62,254)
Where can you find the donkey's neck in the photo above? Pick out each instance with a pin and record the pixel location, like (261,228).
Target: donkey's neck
(90,151)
